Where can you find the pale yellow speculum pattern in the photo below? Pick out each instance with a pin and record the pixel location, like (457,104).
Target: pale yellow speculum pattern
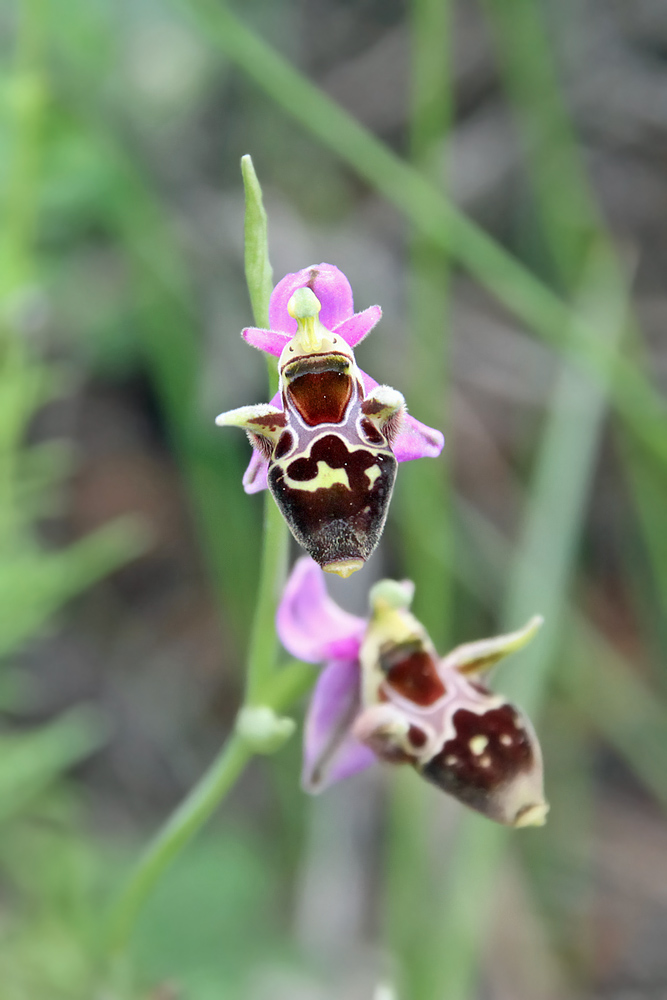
(372,474)
(478,744)
(325,478)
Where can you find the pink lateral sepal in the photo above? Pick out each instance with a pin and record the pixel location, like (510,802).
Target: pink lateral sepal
(330,751)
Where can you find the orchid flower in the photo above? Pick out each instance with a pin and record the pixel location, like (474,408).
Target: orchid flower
(328,443)
(385,694)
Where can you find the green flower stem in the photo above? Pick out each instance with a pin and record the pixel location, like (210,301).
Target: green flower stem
(265,685)
(567,205)
(181,827)
(27,95)
(258,270)
(263,642)
(539,580)
(20,197)
(423,504)
(423,492)
(602,683)
(286,687)
(541,309)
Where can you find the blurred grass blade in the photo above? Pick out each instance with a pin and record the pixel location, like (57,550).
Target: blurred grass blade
(422,495)
(571,219)
(423,502)
(29,762)
(539,582)
(438,220)
(262,677)
(33,585)
(605,687)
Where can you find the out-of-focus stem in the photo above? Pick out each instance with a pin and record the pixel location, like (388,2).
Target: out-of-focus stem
(541,309)
(425,488)
(266,686)
(18,204)
(263,639)
(423,503)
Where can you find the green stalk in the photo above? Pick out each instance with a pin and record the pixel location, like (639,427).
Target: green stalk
(17,233)
(424,486)
(423,504)
(180,828)
(265,686)
(605,687)
(543,311)
(561,481)
(19,208)
(539,582)
(263,641)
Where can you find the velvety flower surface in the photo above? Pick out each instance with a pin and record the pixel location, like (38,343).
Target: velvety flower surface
(385,694)
(328,443)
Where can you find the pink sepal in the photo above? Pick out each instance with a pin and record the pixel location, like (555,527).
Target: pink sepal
(415,439)
(310,625)
(330,752)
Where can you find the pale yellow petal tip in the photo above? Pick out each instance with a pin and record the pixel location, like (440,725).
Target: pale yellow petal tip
(535,623)
(533,815)
(343,567)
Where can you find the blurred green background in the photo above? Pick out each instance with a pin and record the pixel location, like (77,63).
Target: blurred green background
(491,173)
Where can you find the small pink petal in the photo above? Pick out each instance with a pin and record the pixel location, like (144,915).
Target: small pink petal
(331,753)
(310,625)
(329,285)
(354,329)
(265,340)
(415,439)
(255,477)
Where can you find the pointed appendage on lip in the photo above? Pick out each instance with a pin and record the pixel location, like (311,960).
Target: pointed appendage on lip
(343,567)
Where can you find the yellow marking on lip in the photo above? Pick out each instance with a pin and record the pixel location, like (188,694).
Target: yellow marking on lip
(325,478)
(478,744)
(373,473)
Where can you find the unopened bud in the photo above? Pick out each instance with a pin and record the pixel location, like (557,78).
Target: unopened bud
(263,730)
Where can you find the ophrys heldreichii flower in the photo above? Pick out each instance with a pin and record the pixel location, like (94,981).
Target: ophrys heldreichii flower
(385,693)
(328,444)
